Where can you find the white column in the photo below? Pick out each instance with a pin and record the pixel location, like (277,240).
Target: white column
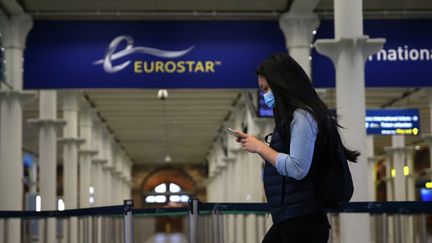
(348,51)
(371,164)
(126,178)
(14,32)
(428,137)
(397,182)
(107,167)
(97,180)
(297,29)
(48,125)
(115,151)
(240,178)
(70,142)
(398,158)
(230,231)
(98,161)
(86,153)
(118,172)
(372,180)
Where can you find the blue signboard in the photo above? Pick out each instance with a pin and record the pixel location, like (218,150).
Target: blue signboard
(378,121)
(393,122)
(204,54)
(405,61)
(148,54)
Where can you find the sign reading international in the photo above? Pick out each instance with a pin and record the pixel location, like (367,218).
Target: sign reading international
(404,61)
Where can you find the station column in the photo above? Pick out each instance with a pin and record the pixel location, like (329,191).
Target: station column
(349,51)
(298,28)
(86,153)
(48,125)
(12,97)
(71,141)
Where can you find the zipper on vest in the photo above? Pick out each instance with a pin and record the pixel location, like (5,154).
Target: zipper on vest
(283,191)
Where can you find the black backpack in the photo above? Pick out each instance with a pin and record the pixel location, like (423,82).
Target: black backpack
(334,183)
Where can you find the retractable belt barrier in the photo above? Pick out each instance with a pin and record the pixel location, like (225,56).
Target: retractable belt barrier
(406,207)
(213,212)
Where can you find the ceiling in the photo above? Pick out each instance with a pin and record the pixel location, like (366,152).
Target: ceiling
(185,125)
(196,9)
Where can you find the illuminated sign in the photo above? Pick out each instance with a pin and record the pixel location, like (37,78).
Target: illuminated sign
(404,61)
(148,54)
(393,122)
(378,122)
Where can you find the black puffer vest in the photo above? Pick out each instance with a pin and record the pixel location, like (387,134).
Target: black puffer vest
(286,197)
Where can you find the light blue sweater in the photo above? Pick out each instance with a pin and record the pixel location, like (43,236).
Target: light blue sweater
(304,131)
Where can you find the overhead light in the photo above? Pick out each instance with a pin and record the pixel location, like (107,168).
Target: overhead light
(168,159)
(38,203)
(91,200)
(314,32)
(162,94)
(60,205)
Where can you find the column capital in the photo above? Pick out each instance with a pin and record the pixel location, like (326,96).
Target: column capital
(23,96)
(16,30)
(427,138)
(236,150)
(99,161)
(70,100)
(108,168)
(71,140)
(298,27)
(404,150)
(229,159)
(332,48)
(117,173)
(87,152)
(56,123)
(374,159)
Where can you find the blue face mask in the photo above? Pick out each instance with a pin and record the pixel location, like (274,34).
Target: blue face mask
(269,99)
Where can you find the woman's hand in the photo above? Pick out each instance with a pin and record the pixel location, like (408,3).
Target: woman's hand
(250,143)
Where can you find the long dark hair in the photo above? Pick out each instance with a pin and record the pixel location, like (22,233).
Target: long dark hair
(293,90)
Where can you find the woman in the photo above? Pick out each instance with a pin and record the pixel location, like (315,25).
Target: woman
(304,134)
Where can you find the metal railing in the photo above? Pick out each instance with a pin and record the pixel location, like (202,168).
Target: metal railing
(399,222)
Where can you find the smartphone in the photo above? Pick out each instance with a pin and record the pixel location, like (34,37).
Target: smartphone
(233,133)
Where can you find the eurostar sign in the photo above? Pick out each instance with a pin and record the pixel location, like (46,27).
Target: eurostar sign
(147,67)
(148,54)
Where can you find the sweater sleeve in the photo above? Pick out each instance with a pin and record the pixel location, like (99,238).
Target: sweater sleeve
(304,131)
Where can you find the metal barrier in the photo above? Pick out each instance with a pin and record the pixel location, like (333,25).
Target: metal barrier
(212,222)
(98,224)
(398,222)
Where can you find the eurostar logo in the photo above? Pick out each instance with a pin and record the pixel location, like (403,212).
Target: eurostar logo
(149,67)
(113,54)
